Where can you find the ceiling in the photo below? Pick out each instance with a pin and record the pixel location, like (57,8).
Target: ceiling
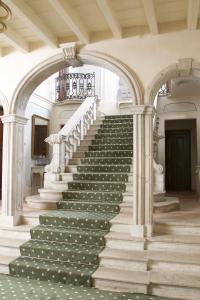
(53,22)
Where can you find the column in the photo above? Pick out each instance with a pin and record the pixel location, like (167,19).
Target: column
(142,170)
(13,169)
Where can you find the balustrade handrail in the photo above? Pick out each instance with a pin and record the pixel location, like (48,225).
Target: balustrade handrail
(77,116)
(65,142)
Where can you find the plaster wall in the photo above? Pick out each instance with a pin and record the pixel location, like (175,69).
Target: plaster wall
(146,55)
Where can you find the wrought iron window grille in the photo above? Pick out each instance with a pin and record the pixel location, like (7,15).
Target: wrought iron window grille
(70,86)
(164,90)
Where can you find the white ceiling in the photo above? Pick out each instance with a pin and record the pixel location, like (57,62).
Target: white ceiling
(59,21)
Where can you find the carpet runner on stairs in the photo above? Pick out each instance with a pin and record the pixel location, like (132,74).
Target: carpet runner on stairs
(65,246)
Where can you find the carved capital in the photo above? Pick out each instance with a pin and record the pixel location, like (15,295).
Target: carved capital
(55,139)
(70,55)
(142,110)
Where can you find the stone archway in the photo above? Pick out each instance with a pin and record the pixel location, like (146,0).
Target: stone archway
(53,64)
(184,67)
(15,121)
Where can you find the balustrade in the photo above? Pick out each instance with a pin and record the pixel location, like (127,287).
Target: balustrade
(71,86)
(68,139)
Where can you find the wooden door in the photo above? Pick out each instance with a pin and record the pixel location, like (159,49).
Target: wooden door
(178,160)
(1,150)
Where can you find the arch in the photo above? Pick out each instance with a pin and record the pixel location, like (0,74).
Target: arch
(43,70)
(184,67)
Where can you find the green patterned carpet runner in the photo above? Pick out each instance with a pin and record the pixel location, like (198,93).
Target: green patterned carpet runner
(65,247)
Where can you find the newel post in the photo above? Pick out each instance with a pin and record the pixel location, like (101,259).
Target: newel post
(142,170)
(58,163)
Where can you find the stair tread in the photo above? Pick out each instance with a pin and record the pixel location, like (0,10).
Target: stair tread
(11,243)
(6,259)
(127,255)
(61,246)
(186,239)
(50,265)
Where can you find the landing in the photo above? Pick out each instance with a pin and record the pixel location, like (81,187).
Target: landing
(12,288)
(189,213)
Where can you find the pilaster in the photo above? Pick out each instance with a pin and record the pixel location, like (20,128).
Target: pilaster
(12,168)
(142,170)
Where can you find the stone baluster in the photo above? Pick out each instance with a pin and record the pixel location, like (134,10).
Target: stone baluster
(142,170)
(58,163)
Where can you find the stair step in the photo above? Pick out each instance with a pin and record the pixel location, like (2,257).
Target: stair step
(171,227)
(97,196)
(109,153)
(123,241)
(121,177)
(55,271)
(10,247)
(109,161)
(109,147)
(97,186)
(71,219)
(104,168)
(72,235)
(88,206)
(79,254)
(116,280)
(110,141)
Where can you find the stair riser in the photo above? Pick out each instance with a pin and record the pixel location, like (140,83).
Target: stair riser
(111,153)
(59,186)
(70,223)
(67,177)
(119,286)
(4,269)
(88,207)
(103,169)
(67,238)
(171,266)
(94,196)
(59,255)
(123,264)
(43,274)
(96,186)
(50,195)
(29,221)
(102,177)
(124,244)
(9,251)
(120,227)
(21,235)
(179,247)
(175,292)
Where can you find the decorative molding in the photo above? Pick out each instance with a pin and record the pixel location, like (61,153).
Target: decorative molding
(143,110)
(14,119)
(70,56)
(184,66)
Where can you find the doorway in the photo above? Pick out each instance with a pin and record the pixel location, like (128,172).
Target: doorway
(178,160)
(180,155)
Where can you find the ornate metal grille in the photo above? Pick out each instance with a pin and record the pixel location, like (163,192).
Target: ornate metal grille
(164,90)
(71,86)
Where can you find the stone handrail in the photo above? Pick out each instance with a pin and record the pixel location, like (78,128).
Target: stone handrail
(65,142)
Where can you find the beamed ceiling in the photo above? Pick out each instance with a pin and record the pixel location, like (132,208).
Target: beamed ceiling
(54,22)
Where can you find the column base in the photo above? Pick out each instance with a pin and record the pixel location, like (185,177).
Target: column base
(142,230)
(10,220)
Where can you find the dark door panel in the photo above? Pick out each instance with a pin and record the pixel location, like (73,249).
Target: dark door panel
(178,160)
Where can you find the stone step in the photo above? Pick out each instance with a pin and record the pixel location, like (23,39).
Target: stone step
(123,241)
(4,263)
(122,223)
(123,259)
(116,280)
(70,169)
(10,247)
(19,232)
(85,142)
(32,217)
(177,228)
(171,242)
(50,194)
(36,202)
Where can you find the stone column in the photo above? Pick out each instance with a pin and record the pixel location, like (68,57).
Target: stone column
(12,169)
(142,170)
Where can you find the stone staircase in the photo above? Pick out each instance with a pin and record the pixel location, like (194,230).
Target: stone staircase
(65,247)
(87,240)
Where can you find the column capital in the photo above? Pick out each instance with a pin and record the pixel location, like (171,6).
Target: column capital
(143,110)
(12,118)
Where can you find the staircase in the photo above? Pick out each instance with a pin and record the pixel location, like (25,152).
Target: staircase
(65,247)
